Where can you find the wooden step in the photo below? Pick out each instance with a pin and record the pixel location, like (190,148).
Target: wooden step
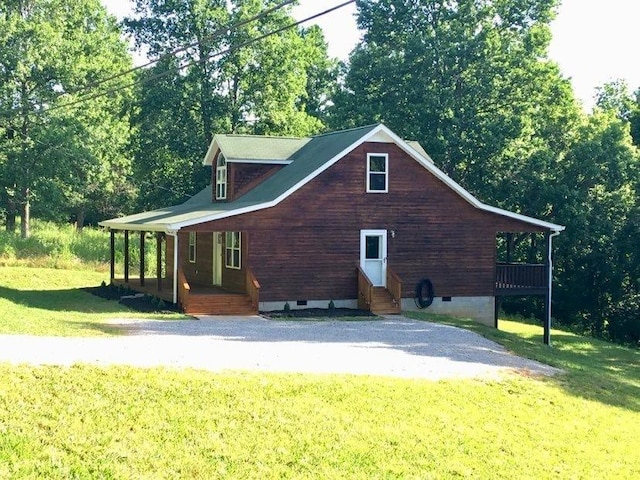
(383,303)
(231,304)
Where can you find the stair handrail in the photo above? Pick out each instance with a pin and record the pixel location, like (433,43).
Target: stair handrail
(365,290)
(253,289)
(394,285)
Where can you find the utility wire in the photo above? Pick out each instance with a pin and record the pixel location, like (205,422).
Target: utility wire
(175,52)
(188,64)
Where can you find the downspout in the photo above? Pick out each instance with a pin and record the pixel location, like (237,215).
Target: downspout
(174,234)
(550,280)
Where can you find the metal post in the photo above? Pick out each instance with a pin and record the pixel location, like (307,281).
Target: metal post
(142,259)
(126,256)
(112,258)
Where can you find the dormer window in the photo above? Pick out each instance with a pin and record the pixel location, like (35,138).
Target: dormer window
(221,177)
(377,173)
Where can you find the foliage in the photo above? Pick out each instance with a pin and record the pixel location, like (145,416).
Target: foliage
(71,159)
(216,77)
(469,80)
(597,260)
(82,421)
(54,245)
(51,302)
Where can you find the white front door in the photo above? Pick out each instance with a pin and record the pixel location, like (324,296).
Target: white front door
(373,256)
(217,258)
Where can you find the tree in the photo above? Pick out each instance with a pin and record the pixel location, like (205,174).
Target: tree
(597,259)
(469,80)
(54,49)
(221,77)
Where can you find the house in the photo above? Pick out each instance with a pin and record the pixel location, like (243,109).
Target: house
(358,217)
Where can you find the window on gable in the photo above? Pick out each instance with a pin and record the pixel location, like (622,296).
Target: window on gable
(192,247)
(377,173)
(221,177)
(232,247)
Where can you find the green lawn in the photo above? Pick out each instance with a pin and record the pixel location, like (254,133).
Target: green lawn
(43,301)
(117,422)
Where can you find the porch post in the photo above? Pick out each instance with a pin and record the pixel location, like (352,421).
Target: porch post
(159,260)
(175,268)
(126,256)
(142,258)
(112,257)
(547,300)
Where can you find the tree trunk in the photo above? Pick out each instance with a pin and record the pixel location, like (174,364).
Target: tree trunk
(80,220)
(11,216)
(25,215)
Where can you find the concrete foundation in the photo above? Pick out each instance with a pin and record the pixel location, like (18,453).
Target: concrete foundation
(480,309)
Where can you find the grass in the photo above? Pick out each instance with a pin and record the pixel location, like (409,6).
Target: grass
(119,422)
(42,301)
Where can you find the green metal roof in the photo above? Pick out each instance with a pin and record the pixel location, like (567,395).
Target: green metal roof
(308,156)
(259,148)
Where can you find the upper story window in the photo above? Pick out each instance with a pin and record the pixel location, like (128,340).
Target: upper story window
(377,173)
(221,177)
(192,247)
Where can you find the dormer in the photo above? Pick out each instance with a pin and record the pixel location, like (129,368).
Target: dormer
(241,162)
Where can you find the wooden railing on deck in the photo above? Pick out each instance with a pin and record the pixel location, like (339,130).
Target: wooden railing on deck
(394,285)
(183,290)
(365,290)
(521,278)
(253,289)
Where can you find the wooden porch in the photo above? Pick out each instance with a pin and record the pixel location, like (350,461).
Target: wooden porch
(521,279)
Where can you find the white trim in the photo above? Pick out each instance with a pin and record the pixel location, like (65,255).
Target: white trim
(193,235)
(259,161)
(221,177)
(175,267)
(385,173)
(383,247)
(379,129)
(233,249)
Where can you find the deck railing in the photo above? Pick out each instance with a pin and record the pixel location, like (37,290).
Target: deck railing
(253,289)
(365,290)
(183,290)
(394,285)
(521,278)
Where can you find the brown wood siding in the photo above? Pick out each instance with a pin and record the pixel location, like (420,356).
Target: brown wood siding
(199,273)
(241,177)
(233,280)
(308,246)
(245,176)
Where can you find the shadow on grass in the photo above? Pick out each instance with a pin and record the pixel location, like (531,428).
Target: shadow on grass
(67,300)
(595,370)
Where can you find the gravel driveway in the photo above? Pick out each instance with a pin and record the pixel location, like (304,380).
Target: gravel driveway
(393,346)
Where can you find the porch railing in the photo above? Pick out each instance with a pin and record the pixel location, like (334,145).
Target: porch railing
(183,290)
(394,285)
(253,289)
(521,278)
(365,290)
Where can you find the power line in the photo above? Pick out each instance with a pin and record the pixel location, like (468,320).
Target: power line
(188,64)
(173,53)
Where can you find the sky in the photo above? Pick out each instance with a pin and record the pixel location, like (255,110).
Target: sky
(594,41)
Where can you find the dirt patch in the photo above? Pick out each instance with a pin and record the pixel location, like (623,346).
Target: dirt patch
(132,299)
(349,313)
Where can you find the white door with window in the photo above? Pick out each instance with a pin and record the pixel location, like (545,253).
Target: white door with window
(373,256)
(217,258)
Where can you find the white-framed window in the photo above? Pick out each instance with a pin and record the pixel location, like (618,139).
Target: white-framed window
(232,250)
(221,177)
(192,247)
(377,173)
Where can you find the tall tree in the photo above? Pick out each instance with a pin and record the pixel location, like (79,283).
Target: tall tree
(54,48)
(598,199)
(469,80)
(221,78)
